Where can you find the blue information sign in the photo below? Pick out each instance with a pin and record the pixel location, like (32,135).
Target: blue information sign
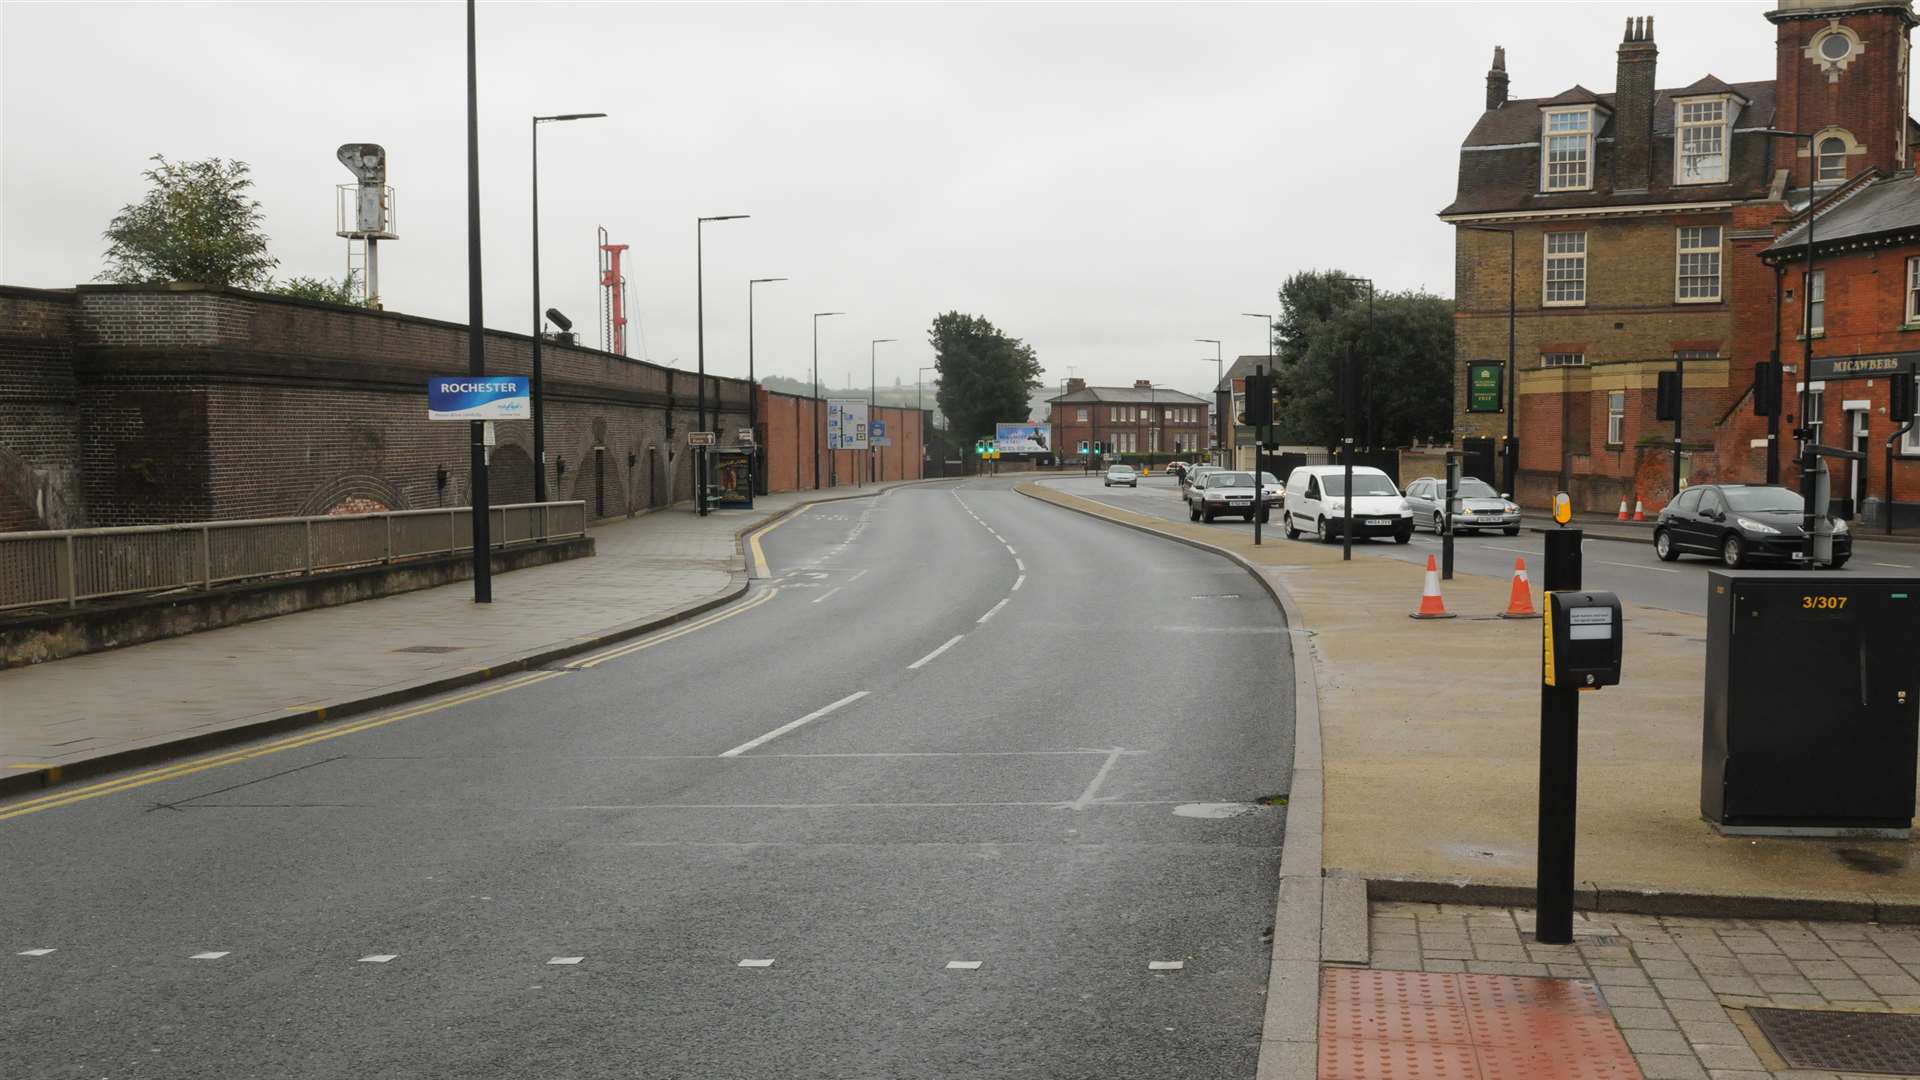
(479,397)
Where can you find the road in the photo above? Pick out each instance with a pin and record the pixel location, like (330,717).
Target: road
(971,787)
(1630,569)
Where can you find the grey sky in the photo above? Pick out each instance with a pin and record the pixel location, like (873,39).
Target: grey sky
(1106,181)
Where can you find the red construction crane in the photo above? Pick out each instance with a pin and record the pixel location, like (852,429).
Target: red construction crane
(613,297)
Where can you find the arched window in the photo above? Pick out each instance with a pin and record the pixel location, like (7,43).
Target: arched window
(1833,158)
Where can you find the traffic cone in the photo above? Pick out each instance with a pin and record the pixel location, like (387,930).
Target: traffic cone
(1431,605)
(1639,511)
(1521,604)
(1623,508)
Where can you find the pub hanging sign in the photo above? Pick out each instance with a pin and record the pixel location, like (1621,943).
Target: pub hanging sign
(1864,367)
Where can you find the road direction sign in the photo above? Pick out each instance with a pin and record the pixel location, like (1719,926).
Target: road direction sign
(699,438)
(746,436)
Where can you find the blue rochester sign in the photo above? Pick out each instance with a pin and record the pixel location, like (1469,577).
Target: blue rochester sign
(479,397)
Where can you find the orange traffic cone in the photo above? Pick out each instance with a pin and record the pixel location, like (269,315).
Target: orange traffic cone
(1623,508)
(1431,605)
(1521,604)
(1639,511)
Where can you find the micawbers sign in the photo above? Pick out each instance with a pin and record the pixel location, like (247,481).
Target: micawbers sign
(1864,367)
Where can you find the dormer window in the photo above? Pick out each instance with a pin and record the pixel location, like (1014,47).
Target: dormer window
(1567,144)
(1700,127)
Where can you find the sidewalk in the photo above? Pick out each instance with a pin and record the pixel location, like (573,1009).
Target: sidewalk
(114,708)
(1431,732)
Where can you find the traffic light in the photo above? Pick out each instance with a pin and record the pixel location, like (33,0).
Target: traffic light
(1096,449)
(1083,446)
(1667,396)
(1766,388)
(1259,399)
(1901,393)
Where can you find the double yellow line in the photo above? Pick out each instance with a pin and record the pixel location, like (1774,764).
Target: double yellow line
(669,635)
(292,742)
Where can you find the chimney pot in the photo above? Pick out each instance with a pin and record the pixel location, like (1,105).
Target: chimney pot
(1497,79)
(1633,99)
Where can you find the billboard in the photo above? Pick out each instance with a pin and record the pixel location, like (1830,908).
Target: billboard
(479,397)
(1484,390)
(1023,438)
(847,424)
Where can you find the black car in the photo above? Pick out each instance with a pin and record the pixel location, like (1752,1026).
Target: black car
(1739,524)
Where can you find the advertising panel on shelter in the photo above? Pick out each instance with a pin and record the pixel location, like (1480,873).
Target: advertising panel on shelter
(1023,438)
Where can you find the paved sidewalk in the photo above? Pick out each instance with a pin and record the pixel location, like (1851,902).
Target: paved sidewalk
(315,665)
(1680,990)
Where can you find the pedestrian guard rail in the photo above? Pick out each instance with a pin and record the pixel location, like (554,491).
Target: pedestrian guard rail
(66,566)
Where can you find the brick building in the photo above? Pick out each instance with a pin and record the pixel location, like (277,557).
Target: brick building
(128,405)
(1141,422)
(1640,222)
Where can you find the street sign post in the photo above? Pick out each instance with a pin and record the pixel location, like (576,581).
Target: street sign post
(699,438)
(745,435)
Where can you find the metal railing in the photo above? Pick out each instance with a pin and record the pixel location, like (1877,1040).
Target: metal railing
(63,567)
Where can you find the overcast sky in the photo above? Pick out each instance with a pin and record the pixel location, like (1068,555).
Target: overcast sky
(1105,181)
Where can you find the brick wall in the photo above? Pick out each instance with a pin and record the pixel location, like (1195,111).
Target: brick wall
(39,407)
(791,427)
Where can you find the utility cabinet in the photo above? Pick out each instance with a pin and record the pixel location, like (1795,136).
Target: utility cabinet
(1812,703)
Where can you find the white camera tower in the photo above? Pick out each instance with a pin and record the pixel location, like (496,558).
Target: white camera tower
(363,214)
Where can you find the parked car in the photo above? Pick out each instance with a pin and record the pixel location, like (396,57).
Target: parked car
(1177,468)
(1222,491)
(1481,507)
(1122,474)
(1741,523)
(1272,491)
(1316,502)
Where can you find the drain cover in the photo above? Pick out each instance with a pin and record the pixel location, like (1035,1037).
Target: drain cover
(431,648)
(1854,1042)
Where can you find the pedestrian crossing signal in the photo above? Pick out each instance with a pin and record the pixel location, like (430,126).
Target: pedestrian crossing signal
(1083,446)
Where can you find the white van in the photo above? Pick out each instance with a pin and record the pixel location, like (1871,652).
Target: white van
(1316,503)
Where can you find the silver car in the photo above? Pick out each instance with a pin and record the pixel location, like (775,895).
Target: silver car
(1122,474)
(1223,491)
(1481,507)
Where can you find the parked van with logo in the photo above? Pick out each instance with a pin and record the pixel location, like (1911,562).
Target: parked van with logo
(1316,503)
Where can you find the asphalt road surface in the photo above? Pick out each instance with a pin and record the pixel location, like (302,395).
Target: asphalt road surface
(1630,569)
(970,788)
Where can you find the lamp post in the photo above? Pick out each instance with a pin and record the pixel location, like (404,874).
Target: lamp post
(700,322)
(476,338)
(1348,408)
(1259,489)
(817,420)
(920,406)
(873,402)
(1510,467)
(753,383)
(1219,376)
(1809,433)
(539,390)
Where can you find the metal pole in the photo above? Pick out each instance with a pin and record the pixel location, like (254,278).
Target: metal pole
(815,408)
(700,332)
(1810,448)
(1446,514)
(1891,440)
(1559,767)
(1259,492)
(1513,378)
(476,331)
(1679,395)
(539,384)
(1779,379)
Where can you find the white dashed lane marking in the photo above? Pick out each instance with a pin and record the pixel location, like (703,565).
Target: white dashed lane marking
(1165,965)
(207,956)
(377,958)
(566,959)
(995,609)
(963,965)
(33,952)
(791,724)
(755,963)
(927,659)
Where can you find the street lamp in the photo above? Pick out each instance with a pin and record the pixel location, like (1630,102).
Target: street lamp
(753,387)
(539,390)
(700,321)
(476,336)
(1510,470)
(1353,390)
(920,406)
(817,421)
(1259,488)
(873,401)
(1219,376)
(1810,442)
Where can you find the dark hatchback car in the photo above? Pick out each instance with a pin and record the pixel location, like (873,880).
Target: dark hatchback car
(1741,524)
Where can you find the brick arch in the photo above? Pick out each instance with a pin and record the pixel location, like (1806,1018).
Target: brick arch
(607,496)
(510,475)
(354,493)
(18,507)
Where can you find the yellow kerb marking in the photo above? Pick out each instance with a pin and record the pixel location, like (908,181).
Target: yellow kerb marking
(753,542)
(669,635)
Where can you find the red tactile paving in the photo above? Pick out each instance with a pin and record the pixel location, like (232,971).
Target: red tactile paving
(1411,1025)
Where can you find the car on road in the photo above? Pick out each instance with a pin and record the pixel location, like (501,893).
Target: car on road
(1122,474)
(1193,474)
(1223,491)
(1481,507)
(1741,524)
(1316,503)
(1177,468)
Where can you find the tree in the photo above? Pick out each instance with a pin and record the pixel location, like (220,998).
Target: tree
(327,290)
(1307,299)
(1402,360)
(985,376)
(197,223)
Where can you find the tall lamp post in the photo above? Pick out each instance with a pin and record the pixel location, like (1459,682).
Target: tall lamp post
(539,390)
(1510,466)
(817,420)
(920,406)
(1353,390)
(873,402)
(700,321)
(1219,376)
(1259,487)
(476,338)
(753,383)
(1809,432)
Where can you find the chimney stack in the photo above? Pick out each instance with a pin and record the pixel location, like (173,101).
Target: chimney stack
(1076,384)
(1142,384)
(1633,107)
(1497,79)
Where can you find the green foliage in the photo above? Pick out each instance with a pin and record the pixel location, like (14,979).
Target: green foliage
(327,290)
(985,376)
(196,223)
(1402,358)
